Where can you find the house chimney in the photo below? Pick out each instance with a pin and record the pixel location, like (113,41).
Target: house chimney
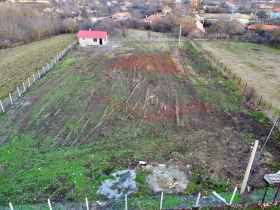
(90,29)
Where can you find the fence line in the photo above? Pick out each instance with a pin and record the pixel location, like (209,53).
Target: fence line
(14,97)
(143,39)
(248,91)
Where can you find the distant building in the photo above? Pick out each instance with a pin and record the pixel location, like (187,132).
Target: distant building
(152,18)
(166,9)
(128,4)
(88,38)
(263,27)
(121,16)
(275,13)
(123,8)
(242,18)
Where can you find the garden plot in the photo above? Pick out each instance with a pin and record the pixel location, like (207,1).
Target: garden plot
(92,116)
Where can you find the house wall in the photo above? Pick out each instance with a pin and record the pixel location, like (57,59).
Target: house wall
(89,41)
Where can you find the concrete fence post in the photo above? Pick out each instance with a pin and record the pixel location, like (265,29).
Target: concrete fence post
(87,204)
(50,205)
(161,200)
(11,206)
(11,98)
(34,78)
(39,75)
(2,107)
(29,82)
(24,88)
(18,92)
(197,201)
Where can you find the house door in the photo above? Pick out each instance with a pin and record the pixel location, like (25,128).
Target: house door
(100,41)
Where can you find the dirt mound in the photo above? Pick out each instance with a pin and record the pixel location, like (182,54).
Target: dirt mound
(150,63)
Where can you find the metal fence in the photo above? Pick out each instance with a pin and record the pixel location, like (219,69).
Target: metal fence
(14,97)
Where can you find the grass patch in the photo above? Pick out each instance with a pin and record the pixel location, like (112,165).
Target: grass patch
(17,64)
(170,201)
(259,115)
(192,48)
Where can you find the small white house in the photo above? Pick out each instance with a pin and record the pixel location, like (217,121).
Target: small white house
(87,38)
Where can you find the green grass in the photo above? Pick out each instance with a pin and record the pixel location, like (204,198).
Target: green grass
(259,115)
(170,201)
(192,48)
(17,64)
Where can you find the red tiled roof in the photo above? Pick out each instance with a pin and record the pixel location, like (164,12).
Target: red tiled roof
(263,27)
(92,34)
(276,9)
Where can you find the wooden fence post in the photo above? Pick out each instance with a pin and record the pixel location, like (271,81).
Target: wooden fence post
(269,108)
(260,101)
(245,88)
(249,166)
(239,81)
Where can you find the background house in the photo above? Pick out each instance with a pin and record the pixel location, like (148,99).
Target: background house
(87,38)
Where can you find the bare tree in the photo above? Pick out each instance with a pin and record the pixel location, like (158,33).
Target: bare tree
(70,25)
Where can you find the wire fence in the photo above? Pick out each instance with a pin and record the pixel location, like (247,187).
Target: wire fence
(250,94)
(14,97)
(163,201)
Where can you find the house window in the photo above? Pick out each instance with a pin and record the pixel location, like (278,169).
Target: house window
(95,40)
(83,38)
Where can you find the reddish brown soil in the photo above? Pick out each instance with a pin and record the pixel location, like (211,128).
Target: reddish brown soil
(150,63)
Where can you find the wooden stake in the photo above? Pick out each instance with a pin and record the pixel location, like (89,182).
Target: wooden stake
(2,106)
(245,88)
(87,204)
(260,101)
(232,197)
(49,203)
(161,200)
(197,201)
(11,98)
(250,163)
(239,81)
(125,201)
(18,92)
(11,206)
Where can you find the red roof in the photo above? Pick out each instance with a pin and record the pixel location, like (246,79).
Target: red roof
(263,27)
(276,9)
(92,34)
